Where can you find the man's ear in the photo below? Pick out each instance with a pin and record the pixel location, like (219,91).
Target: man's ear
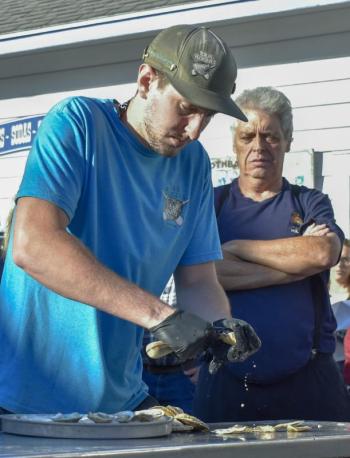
(288,145)
(144,80)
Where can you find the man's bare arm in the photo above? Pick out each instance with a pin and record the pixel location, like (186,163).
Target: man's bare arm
(304,256)
(236,274)
(198,291)
(58,260)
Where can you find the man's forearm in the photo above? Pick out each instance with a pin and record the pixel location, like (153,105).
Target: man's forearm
(204,297)
(235,274)
(295,255)
(61,263)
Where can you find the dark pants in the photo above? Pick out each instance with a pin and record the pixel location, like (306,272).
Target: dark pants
(316,392)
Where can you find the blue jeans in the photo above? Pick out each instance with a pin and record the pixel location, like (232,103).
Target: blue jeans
(174,389)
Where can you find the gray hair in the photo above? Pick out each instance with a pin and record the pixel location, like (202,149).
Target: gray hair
(271,101)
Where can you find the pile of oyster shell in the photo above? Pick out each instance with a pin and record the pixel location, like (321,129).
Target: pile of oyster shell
(180,420)
(293,426)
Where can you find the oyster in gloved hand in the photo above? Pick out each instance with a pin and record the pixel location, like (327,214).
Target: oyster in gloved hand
(231,340)
(188,336)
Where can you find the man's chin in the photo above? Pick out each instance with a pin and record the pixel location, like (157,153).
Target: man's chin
(169,151)
(260,173)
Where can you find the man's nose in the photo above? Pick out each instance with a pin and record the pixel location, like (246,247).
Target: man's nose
(258,143)
(195,126)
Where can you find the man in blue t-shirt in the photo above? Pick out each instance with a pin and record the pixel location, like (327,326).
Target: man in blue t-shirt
(114,199)
(279,241)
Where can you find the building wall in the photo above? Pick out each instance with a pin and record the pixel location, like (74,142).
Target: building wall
(318,91)
(305,55)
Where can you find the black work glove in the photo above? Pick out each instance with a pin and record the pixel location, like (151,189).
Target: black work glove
(247,343)
(185,333)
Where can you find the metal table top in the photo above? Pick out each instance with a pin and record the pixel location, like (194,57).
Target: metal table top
(328,440)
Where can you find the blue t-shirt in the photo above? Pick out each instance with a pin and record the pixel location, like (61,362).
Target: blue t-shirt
(282,315)
(142,215)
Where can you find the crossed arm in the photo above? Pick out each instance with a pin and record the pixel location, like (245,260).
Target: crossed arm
(250,264)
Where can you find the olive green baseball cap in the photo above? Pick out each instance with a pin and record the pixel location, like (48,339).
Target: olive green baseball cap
(198,64)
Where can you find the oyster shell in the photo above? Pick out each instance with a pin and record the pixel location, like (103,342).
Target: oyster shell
(178,415)
(235,429)
(158,349)
(264,429)
(177,426)
(196,423)
(293,426)
(124,416)
(148,414)
(73,417)
(85,420)
(100,417)
(168,410)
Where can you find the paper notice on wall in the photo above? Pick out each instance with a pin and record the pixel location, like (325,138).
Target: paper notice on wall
(223,170)
(298,168)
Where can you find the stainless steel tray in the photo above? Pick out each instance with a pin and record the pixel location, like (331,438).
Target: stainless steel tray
(42,425)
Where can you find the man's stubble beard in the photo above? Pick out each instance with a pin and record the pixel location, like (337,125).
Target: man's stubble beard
(154,138)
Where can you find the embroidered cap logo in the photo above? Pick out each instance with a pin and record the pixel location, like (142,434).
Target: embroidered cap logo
(203,64)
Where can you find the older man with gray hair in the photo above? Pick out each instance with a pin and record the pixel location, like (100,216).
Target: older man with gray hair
(279,241)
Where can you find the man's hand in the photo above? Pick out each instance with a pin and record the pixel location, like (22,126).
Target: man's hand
(317,230)
(189,336)
(247,342)
(184,333)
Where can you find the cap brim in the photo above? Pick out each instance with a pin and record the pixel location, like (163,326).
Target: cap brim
(207,99)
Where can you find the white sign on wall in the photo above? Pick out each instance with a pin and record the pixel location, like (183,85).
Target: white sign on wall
(223,170)
(298,168)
